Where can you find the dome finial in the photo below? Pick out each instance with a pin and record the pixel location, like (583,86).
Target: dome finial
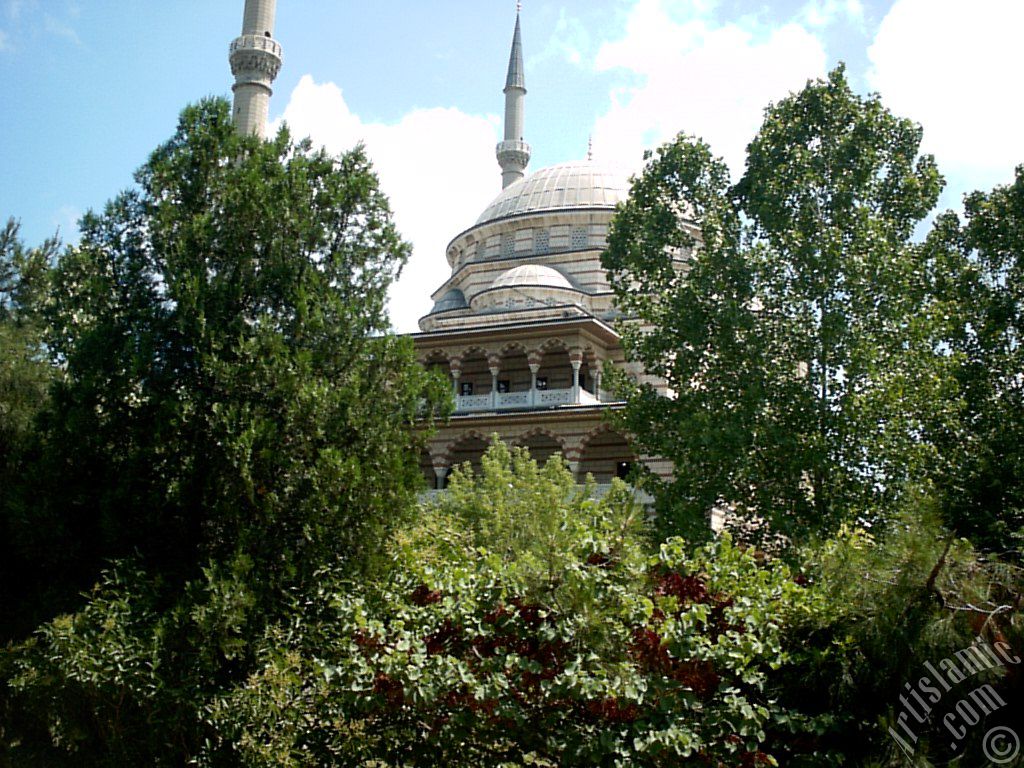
(590,147)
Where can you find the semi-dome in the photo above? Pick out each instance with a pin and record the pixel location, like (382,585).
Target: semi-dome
(531,275)
(453,299)
(580,184)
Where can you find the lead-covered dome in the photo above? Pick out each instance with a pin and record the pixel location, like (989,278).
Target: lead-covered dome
(580,184)
(531,275)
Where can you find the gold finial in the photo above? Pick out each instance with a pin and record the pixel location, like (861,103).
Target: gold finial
(590,147)
(519,8)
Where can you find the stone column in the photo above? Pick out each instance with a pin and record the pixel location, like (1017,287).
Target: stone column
(440,473)
(494,365)
(455,366)
(534,364)
(576,360)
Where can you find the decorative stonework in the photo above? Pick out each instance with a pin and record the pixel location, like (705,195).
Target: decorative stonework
(255,58)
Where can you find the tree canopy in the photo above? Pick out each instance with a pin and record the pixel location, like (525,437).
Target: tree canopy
(789,312)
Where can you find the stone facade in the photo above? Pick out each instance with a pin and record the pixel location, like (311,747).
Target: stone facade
(524,326)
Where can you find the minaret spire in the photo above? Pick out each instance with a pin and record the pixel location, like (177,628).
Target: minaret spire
(514,153)
(255,58)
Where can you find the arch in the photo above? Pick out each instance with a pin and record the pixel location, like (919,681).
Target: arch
(474,372)
(469,447)
(605,454)
(435,356)
(542,444)
(554,344)
(514,367)
(510,346)
(475,350)
(555,369)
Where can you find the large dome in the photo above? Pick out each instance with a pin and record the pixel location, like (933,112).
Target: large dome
(581,184)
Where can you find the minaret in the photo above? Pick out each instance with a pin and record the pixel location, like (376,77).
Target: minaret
(255,59)
(514,153)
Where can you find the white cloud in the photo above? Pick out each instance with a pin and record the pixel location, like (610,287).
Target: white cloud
(698,76)
(4,44)
(436,165)
(569,41)
(955,68)
(823,13)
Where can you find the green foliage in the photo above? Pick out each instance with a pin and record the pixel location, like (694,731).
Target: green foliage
(25,377)
(229,383)
(798,338)
(981,282)
(534,631)
(231,416)
(888,603)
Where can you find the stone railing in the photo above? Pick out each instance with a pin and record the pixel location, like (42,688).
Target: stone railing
(537,398)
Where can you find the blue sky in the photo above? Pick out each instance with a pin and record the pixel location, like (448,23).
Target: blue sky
(89,87)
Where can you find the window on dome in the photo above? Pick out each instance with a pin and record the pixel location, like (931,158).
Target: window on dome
(541,241)
(578,238)
(508,245)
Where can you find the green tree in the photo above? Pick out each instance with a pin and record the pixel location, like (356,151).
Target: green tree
(789,313)
(232,417)
(25,376)
(526,624)
(981,282)
(230,383)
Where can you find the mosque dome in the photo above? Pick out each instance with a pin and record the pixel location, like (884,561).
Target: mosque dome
(528,286)
(566,186)
(532,275)
(453,299)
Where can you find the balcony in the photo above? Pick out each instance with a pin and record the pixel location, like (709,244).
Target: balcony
(533,398)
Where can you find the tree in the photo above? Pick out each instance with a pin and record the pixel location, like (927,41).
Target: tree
(793,325)
(230,384)
(981,282)
(232,417)
(25,376)
(527,624)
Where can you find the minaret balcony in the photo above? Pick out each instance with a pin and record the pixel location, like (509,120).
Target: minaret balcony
(257,43)
(530,399)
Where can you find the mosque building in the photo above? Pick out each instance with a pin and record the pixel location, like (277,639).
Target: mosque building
(524,324)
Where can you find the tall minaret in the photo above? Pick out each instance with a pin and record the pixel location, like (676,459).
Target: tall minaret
(514,153)
(255,59)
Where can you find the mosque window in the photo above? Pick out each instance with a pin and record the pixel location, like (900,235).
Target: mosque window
(578,238)
(508,245)
(541,241)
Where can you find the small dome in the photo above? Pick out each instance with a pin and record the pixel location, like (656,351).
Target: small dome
(532,275)
(454,299)
(580,184)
